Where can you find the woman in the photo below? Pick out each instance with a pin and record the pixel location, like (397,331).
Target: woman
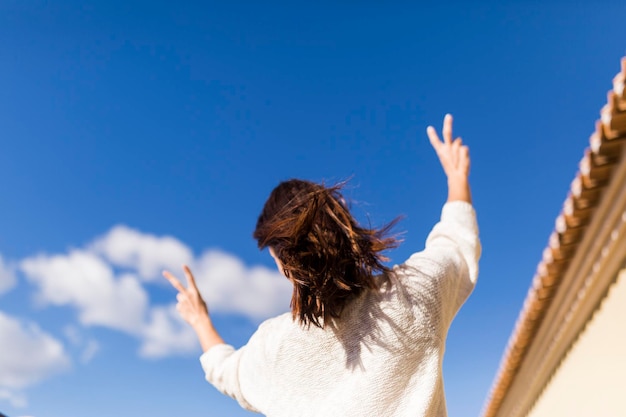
(361,339)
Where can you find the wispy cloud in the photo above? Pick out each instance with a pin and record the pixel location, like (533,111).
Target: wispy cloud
(29,355)
(16,399)
(88,346)
(7,276)
(166,334)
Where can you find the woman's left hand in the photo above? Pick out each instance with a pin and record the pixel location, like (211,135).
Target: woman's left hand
(191,305)
(193,309)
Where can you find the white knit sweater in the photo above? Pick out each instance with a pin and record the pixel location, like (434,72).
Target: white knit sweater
(383,357)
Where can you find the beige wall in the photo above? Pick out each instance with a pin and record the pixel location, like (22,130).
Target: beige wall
(592,380)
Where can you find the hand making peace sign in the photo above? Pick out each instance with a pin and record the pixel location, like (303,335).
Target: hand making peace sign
(454,156)
(193,309)
(455,160)
(191,306)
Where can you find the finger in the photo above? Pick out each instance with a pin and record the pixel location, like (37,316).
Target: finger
(456,146)
(433,137)
(447,129)
(465,159)
(180,297)
(191,282)
(455,154)
(464,152)
(174,281)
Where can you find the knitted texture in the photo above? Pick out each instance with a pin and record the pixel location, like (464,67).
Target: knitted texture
(383,357)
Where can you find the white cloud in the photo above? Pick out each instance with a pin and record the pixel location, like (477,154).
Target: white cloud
(7,277)
(167,334)
(229,286)
(73,334)
(102,283)
(147,254)
(16,399)
(83,280)
(89,347)
(28,356)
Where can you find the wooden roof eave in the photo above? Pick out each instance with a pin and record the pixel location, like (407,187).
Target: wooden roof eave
(595,172)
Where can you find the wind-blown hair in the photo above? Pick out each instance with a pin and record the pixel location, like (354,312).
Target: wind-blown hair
(325,253)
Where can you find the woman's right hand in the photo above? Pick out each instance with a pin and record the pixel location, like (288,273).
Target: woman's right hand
(455,160)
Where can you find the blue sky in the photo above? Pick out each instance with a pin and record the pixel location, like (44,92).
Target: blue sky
(139,135)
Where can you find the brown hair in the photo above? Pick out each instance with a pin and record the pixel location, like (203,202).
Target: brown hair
(325,253)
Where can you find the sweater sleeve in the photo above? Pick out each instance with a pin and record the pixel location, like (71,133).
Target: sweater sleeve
(450,258)
(221,365)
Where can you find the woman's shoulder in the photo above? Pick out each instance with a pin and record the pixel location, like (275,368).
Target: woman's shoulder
(274,323)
